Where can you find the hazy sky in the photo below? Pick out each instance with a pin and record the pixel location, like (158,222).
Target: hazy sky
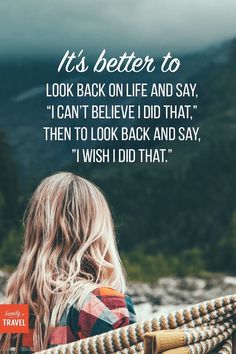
(48,27)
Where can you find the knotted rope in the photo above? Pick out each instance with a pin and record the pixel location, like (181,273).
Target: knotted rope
(197,329)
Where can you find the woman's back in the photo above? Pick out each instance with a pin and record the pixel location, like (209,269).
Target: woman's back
(104,309)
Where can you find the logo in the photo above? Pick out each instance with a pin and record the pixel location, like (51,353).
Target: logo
(14,318)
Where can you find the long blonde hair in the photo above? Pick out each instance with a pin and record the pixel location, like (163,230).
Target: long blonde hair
(69,249)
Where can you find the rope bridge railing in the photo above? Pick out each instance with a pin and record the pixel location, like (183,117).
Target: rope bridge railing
(199,329)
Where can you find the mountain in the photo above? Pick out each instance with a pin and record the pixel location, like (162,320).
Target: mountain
(23,106)
(188,205)
(179,215)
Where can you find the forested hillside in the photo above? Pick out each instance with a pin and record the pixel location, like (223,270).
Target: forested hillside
(178,218)
(181,218)
(10,233)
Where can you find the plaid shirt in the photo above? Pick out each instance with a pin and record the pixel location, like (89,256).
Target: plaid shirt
(104,309)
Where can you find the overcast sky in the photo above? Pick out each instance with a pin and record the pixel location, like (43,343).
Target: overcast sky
(48,27)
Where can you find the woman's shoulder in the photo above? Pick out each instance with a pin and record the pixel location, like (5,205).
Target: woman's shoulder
(104,292)
(112,298)
(104,309)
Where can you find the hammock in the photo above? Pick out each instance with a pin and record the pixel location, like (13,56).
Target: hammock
(203,328)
